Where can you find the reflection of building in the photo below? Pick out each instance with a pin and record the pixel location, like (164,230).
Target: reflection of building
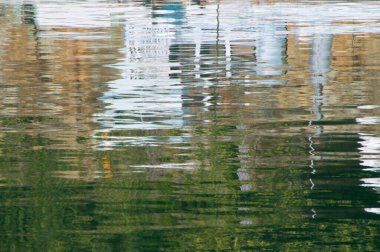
(55,74)
(145,98)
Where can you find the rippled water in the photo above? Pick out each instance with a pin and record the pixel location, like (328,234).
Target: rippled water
(189,125)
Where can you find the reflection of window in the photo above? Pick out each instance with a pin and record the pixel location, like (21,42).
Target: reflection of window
(28,14)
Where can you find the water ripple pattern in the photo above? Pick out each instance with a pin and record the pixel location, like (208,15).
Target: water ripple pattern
(197,125)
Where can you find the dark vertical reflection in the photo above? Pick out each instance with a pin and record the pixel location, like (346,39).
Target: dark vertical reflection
(28,14)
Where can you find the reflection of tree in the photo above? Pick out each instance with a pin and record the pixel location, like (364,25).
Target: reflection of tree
(37,210)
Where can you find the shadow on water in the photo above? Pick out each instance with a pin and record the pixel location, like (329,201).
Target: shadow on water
(189,125)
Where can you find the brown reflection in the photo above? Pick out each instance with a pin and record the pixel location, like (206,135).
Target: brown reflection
(355,74)
(52,77)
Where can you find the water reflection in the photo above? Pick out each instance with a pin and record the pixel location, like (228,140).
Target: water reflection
(370,153)
(246,125)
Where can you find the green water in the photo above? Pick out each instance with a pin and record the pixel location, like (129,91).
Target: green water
(189,125)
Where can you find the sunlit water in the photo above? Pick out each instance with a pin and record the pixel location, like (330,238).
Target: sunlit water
(189,125)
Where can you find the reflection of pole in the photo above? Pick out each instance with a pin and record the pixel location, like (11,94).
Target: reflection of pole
(227,46)
(216,62)
(320,66)
(270,51)
(217,22)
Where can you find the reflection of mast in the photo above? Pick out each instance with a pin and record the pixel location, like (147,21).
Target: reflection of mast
(320,66)
(217,58)
(214,98)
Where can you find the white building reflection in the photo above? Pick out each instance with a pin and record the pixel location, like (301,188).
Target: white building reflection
(370,155)
(147,97)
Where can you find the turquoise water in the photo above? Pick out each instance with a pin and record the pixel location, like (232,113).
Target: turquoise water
(189,125)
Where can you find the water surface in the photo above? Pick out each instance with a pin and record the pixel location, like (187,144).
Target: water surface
(189,125)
